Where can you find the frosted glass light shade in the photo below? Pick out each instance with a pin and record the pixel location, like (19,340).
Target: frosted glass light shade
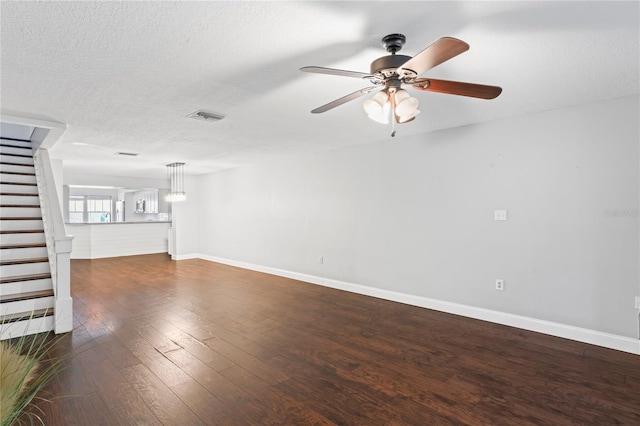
(406,105)
(404,119)
(175,196)
(378,107)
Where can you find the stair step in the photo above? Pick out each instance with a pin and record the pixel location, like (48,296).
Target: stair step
(20,253)
(9,188)
(27,295)
(13,269)
(22,238)
(15,159)
(13,144)
(21,224)
(21,325)
(23,261)
(21,246)
(22,231)
(12,172)
(21,278)
(20,212)
(16,142)
(38,313)
(27,315)
(26,306)
(21,182)
(18,178)
(19,198)
(19,287)
(8,165)
(17,168)
(15,151)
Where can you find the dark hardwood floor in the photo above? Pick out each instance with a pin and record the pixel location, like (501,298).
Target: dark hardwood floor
(194,342)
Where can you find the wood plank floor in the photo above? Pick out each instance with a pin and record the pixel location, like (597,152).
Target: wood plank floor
(194,342)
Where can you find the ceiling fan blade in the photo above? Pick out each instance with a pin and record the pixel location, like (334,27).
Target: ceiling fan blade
(440,51)
(344,99)
(333,71)
(458,88)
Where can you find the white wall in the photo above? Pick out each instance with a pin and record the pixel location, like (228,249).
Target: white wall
(414,215)
(186,224)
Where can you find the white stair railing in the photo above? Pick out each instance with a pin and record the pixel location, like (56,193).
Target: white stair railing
(58,242)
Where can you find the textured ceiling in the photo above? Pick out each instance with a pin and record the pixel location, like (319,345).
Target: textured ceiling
(123,75)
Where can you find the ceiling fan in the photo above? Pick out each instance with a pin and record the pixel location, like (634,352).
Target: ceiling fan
(390,73)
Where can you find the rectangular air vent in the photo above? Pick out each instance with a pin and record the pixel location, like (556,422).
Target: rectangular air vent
(127,154)
(206,116)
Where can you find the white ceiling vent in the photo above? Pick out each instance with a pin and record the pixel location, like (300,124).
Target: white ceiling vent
(206,116)
(127,154)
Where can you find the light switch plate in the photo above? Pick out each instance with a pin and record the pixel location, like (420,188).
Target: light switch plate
(500,214)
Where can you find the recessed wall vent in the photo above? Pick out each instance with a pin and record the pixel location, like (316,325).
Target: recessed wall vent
(127,154)
(206,116)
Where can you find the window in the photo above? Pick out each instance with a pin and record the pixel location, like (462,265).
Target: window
(98,209)
(89,209)
(76,209)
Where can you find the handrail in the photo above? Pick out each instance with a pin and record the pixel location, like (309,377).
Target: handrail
(57,240)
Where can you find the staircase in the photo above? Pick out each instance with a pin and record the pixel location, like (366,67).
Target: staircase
(26,287)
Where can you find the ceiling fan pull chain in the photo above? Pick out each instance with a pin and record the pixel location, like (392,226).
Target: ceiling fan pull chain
(393,121)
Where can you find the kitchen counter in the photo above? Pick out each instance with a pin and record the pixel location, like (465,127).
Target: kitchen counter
(113,239)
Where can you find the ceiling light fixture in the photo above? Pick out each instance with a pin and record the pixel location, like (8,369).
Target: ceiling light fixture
(175,173)
(391,102)
(391,72)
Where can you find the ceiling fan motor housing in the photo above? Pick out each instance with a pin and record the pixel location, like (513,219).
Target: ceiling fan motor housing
(386,66)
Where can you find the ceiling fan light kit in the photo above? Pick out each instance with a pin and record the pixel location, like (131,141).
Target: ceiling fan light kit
(406,105)
(389,73)
(378,107)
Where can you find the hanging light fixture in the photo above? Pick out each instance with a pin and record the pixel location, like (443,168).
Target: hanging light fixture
(392,104)
(175,173)
(388,74)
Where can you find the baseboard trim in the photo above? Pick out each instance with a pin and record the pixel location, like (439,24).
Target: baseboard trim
(189,256)
(607,340)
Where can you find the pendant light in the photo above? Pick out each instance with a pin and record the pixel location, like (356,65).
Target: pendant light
(175,173)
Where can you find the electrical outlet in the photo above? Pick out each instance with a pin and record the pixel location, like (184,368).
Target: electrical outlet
(637,302)
(500,285)
(321,259)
